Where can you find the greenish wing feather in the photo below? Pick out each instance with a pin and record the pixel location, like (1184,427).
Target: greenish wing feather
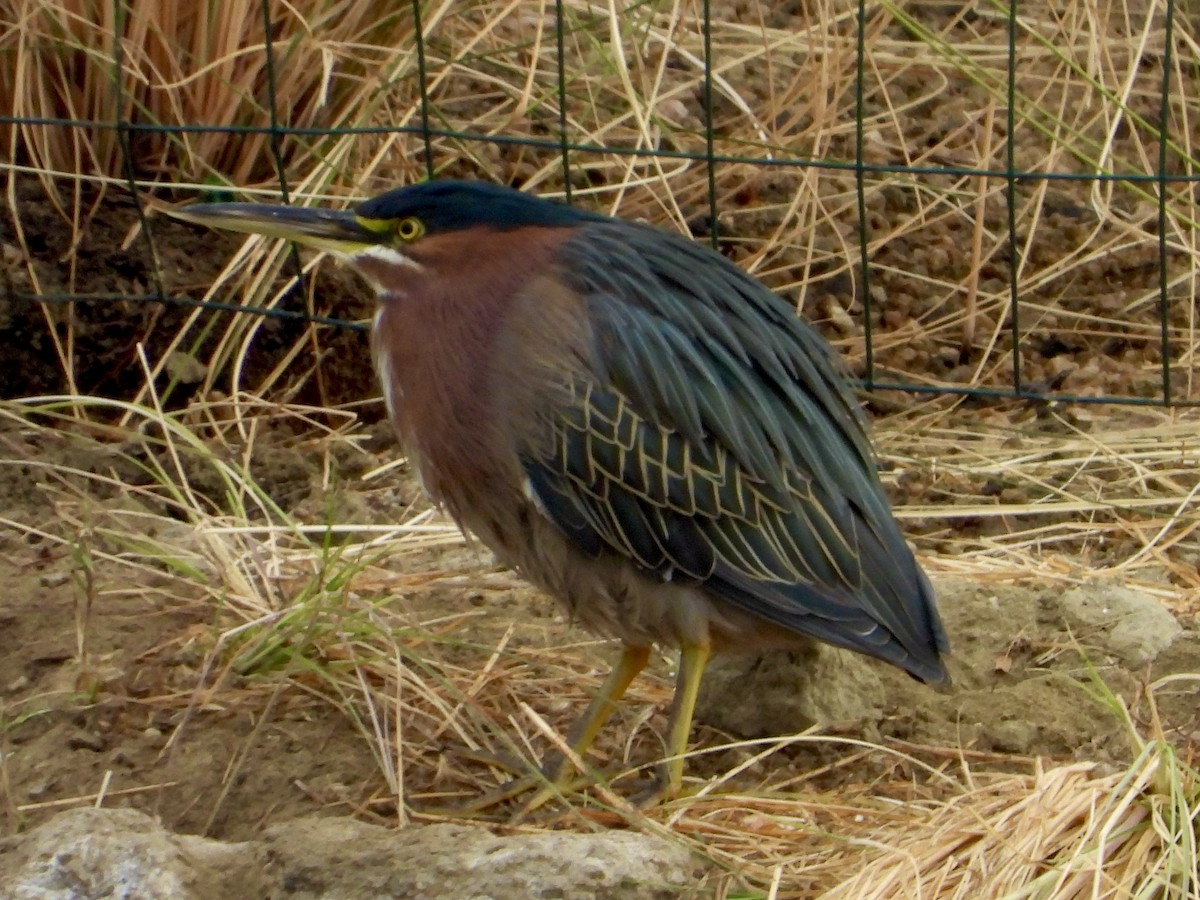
(715,441)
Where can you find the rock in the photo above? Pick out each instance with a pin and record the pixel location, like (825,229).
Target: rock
(319,857)
(123,853)
(1131,625)
(784,692)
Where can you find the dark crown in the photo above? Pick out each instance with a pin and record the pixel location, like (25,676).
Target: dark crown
(454,205)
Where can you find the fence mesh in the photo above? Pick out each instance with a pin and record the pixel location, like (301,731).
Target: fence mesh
(994,200)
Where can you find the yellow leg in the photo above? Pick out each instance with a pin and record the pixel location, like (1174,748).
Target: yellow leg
(604,704)
(692,660)
(631,661)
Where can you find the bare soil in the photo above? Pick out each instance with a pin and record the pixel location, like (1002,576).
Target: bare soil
(109,695)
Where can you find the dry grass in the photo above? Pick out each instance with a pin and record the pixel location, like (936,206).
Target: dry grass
(1076,493)
(1073,497)
(934,95)
(306,607)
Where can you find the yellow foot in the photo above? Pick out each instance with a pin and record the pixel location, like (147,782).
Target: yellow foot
(557,779)
(559,776)
(665,785)
(560,781)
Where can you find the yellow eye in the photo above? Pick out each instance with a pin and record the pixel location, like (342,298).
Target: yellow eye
(409,229)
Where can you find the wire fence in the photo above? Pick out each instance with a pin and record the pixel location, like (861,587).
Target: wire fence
(1006,323)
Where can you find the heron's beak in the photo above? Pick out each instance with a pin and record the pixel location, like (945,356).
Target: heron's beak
(338,231)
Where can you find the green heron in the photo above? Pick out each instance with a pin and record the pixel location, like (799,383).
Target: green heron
(633,423)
